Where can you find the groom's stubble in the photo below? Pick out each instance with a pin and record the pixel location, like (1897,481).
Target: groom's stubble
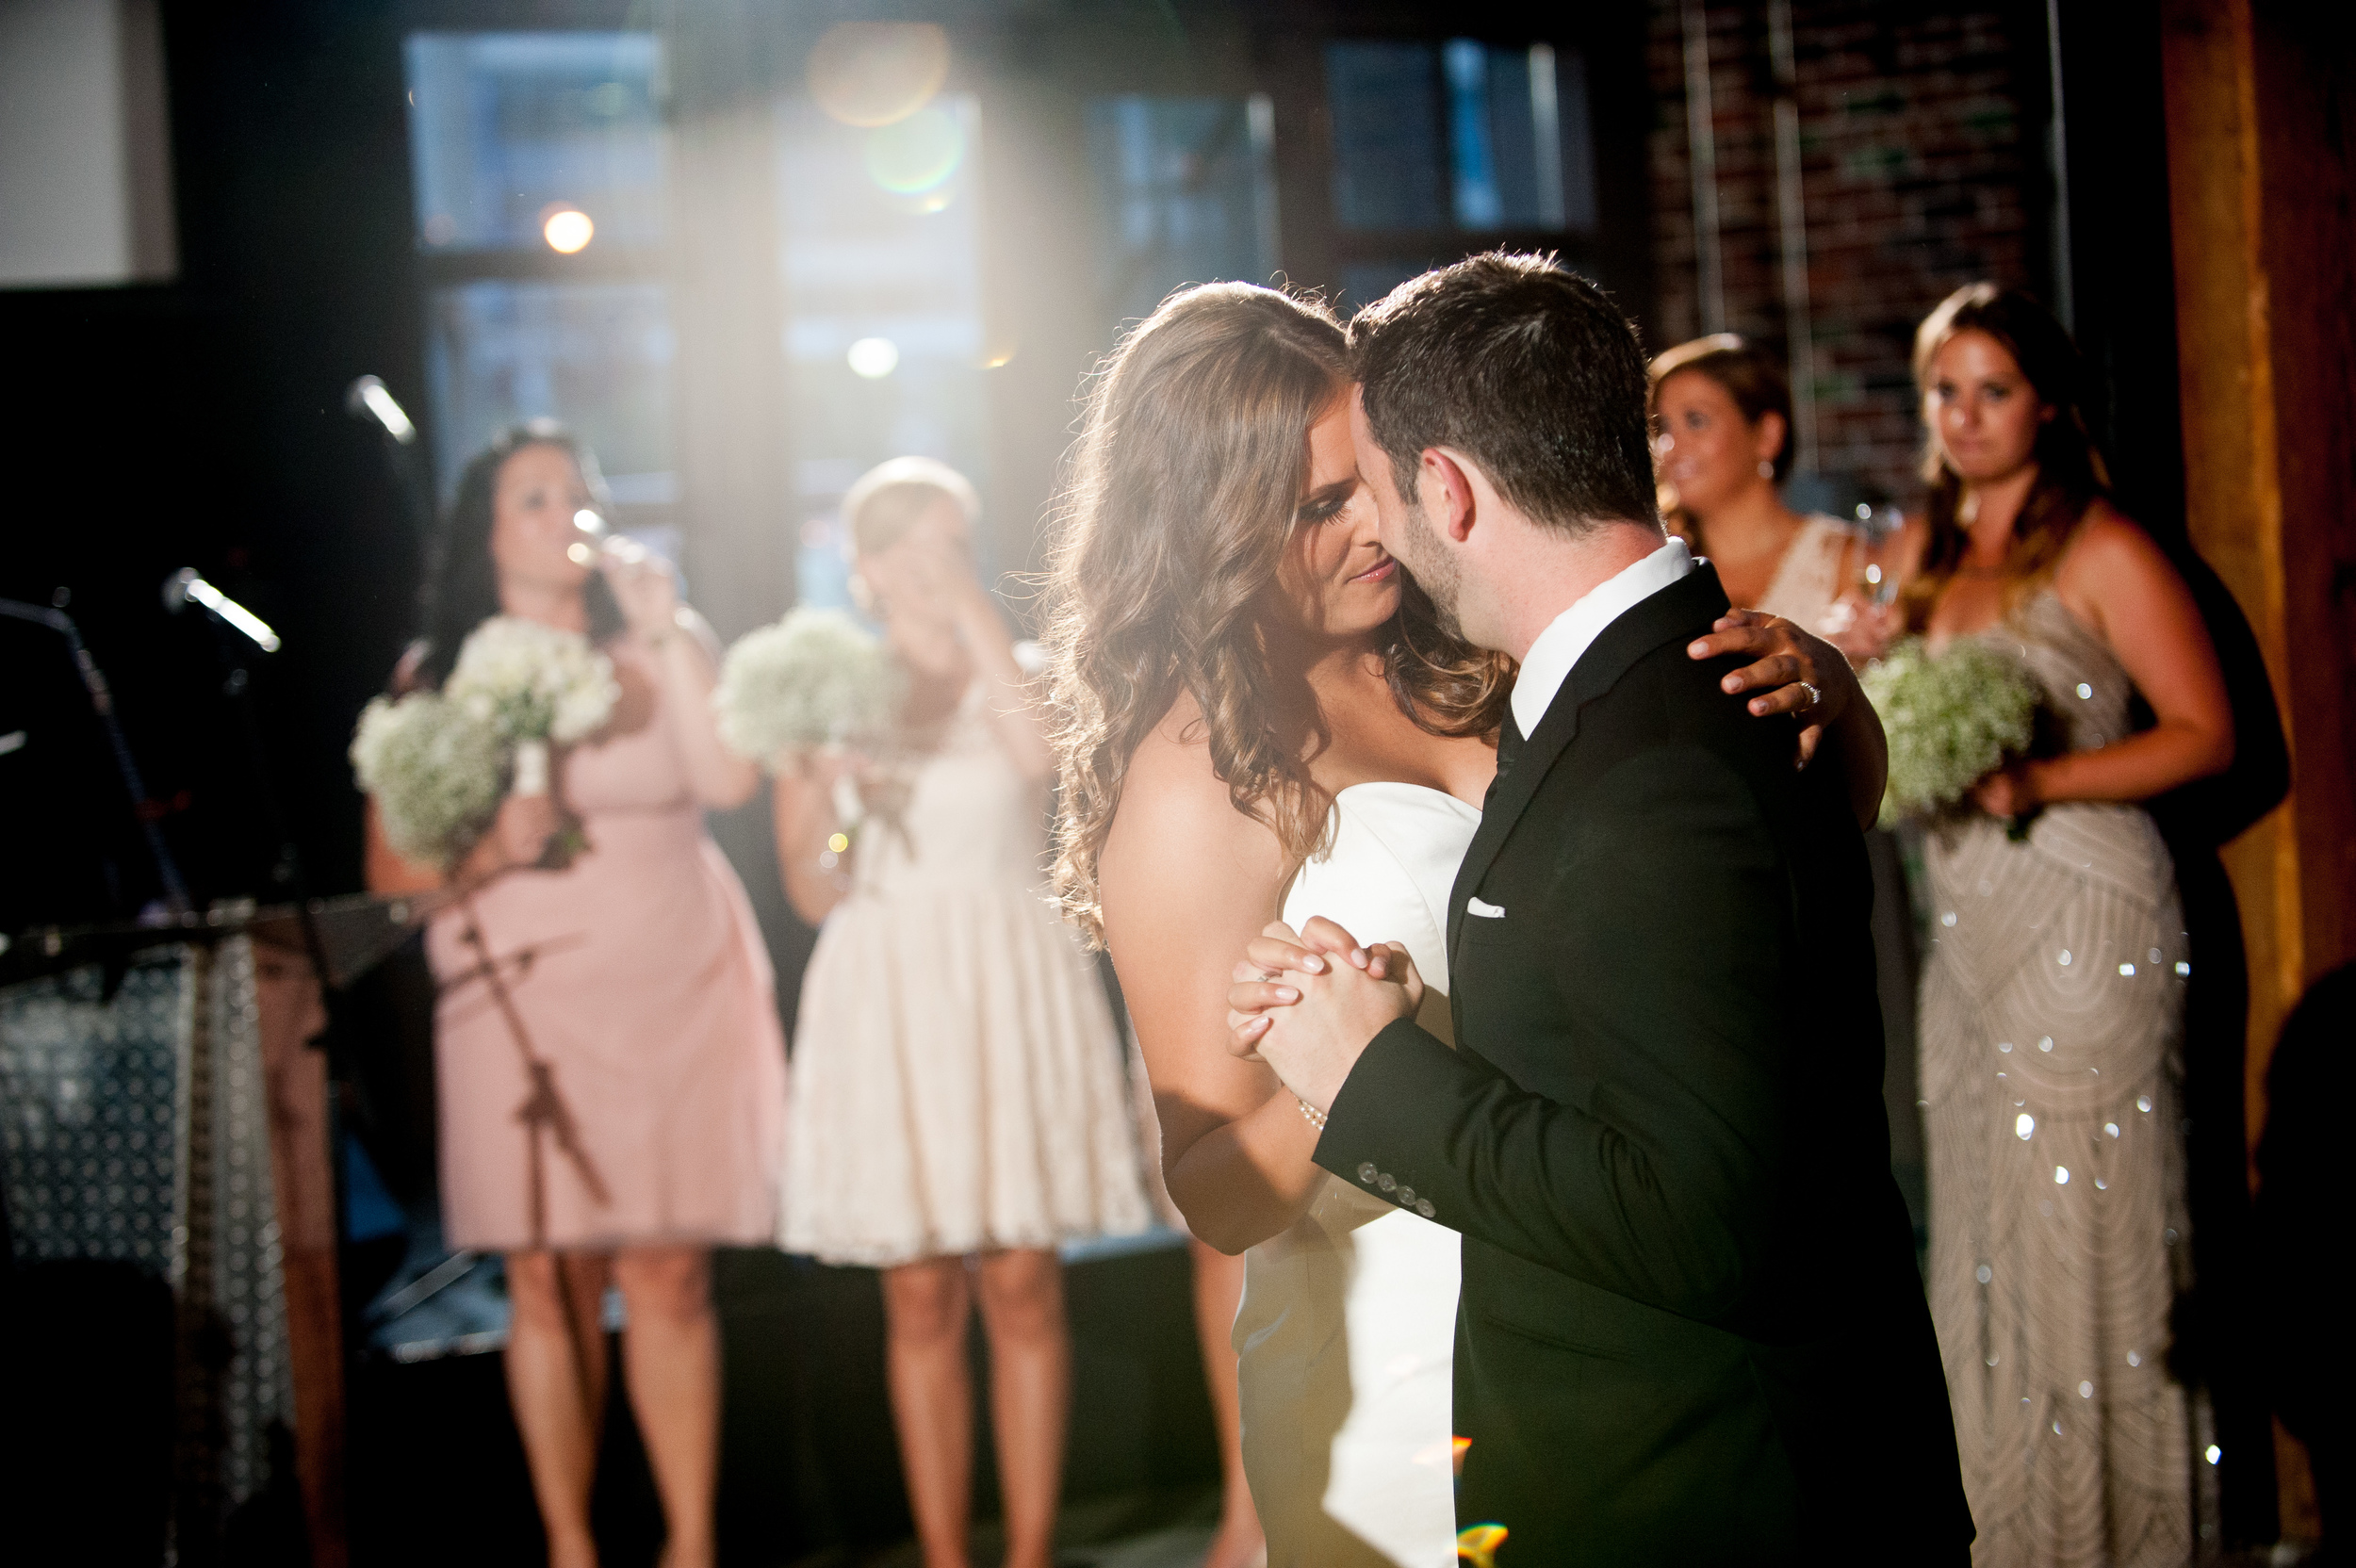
(1436,571)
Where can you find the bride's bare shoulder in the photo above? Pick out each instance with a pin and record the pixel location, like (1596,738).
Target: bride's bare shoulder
(1175,816)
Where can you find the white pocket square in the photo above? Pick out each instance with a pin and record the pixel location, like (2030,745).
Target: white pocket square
(1486,911)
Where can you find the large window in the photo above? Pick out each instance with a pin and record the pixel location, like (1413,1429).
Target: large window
(540,173)
(886,341)
(1184,193)
(1434,142)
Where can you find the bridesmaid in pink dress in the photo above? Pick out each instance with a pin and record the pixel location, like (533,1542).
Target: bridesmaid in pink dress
(637,974)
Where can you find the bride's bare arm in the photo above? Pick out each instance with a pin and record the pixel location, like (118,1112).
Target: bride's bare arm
(1787,656)
(1187,881)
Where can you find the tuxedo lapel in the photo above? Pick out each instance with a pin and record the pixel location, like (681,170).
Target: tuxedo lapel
(1693,600)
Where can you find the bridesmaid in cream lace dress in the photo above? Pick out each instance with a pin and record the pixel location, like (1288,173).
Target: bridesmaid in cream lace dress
(2051,1006)
(1722,426)
(958,1090)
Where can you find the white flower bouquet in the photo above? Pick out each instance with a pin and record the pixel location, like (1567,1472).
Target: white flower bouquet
(435,771)
(436,763)
(816,679)
(534,685)
(1952,720)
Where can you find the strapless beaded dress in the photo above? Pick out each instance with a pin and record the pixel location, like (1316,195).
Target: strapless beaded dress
(1348,1328)
(2051,1027)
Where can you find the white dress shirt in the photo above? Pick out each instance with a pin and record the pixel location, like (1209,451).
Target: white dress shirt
(1558,649)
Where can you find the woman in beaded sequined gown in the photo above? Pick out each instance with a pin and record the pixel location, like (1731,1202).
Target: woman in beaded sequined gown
(2052,1003)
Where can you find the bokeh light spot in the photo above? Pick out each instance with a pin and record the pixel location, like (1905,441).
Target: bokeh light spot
(567,230)
(917,153)
(874,73)
(873,357)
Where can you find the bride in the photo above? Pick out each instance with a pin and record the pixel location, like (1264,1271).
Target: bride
(1257,715)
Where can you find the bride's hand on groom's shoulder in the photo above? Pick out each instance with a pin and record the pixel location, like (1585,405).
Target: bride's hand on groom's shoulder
(1793,671)
(1308,1003)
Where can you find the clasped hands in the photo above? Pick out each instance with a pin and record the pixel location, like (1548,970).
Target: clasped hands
(1308,1004)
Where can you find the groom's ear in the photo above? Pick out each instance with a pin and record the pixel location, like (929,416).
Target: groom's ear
(1447,492)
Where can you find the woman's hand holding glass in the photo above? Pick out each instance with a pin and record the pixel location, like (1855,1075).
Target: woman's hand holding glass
(645,586)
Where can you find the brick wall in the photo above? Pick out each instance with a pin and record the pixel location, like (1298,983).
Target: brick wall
(1922,163)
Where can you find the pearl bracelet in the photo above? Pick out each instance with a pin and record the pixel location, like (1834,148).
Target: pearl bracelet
(1310,1113)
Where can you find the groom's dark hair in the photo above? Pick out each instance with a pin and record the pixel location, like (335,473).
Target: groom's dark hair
(1524,366)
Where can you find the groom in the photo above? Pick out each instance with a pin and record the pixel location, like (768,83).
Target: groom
(1690,1329)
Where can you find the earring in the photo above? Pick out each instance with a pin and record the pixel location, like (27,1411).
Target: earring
(1766,469)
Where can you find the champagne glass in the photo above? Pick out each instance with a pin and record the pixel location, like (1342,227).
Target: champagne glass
(1877,578)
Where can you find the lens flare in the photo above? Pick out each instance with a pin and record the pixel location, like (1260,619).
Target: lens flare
(567,230)
(1478,1545)
(869,73)
(873,358)
(917,153)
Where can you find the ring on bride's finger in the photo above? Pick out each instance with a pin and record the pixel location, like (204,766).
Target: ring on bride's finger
(1814,696)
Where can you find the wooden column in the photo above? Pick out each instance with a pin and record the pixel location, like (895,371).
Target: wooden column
(2258,95)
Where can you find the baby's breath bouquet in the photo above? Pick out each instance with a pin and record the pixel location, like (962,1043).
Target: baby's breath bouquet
(1952,720)
(435,771)
(534,685)
(816,679)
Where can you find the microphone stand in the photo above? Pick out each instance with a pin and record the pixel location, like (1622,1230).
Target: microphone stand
(103,704)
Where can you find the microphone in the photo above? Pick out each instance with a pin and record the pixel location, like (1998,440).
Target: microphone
(185,584)
(366,399)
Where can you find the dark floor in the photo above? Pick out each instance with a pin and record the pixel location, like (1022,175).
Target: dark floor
(809,1470)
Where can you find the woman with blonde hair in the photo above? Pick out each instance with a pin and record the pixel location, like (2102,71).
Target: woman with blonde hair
(1258,714)
(957,1108)
(2053,995)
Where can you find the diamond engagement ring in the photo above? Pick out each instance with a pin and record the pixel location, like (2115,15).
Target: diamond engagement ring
(1815,698)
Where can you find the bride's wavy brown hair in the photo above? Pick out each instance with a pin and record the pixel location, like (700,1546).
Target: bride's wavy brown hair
(1177,503)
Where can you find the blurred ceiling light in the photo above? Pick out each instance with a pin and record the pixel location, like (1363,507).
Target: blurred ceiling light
(874,73)
(873,357)
(567,229)
(917,153)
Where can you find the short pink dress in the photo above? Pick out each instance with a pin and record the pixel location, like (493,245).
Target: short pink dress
(640,976)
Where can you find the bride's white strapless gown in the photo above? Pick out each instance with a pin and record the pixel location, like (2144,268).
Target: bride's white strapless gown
(1348,1328)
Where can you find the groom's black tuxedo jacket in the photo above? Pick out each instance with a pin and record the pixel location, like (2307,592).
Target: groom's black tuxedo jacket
(1690,1329)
